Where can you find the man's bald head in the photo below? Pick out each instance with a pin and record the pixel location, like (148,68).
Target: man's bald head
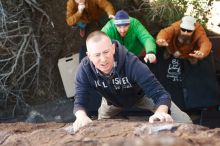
(96,37)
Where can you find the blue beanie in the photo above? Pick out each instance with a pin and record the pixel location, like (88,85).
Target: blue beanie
(121,18)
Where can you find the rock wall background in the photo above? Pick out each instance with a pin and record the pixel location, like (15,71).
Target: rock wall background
(109,133)
(39,78)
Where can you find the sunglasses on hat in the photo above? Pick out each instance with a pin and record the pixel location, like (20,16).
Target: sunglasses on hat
(186,30)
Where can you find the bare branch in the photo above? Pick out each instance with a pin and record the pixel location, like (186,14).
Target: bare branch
(19,50)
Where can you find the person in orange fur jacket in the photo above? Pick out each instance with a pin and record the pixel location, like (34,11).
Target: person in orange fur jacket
(185,39)
(82,12)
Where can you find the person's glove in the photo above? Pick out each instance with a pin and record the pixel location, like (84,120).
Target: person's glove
(162,43)
(81,7)
(150,58)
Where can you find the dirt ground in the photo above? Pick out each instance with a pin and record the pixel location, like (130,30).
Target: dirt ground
(115,132)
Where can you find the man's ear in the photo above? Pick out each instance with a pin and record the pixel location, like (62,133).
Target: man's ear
(87,53)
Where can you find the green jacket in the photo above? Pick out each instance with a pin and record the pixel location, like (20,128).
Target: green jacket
(136,39)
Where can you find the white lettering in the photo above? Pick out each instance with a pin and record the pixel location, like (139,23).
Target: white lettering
(105,86)
(100,84)
(174,71)
(118,83)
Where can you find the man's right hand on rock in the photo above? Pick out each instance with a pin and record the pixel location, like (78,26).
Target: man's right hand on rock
(81,120)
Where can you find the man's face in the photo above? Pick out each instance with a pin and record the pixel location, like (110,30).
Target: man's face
(185,36)
(80,1)
(101,54)
(122,30)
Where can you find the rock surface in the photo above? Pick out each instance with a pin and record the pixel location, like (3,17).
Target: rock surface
(109,133)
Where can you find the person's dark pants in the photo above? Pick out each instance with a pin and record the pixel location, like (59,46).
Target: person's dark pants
(190,86)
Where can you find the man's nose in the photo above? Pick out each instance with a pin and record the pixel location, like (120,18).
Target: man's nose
(102,58)
(122,30)
(185,32)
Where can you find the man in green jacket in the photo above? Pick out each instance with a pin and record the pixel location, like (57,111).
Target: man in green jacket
(132,34)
